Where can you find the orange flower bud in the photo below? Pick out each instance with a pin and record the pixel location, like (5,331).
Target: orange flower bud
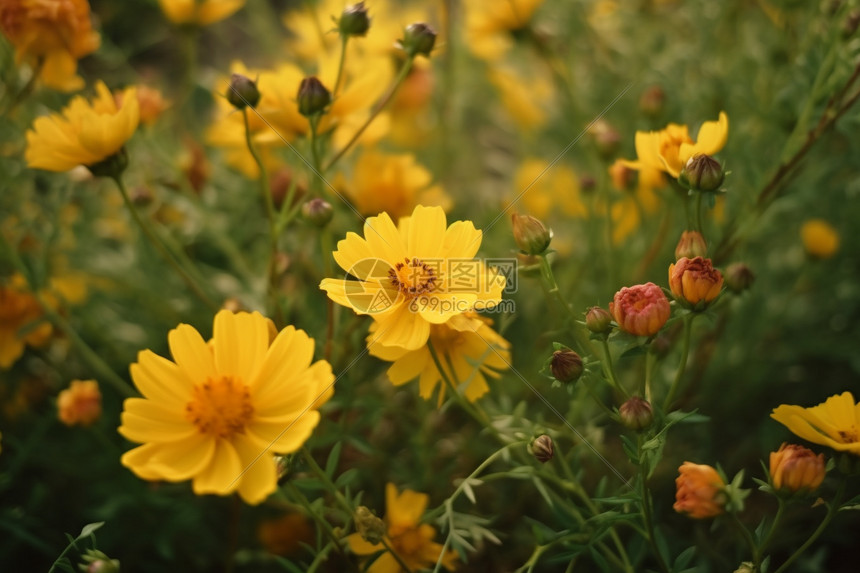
(699,492)
(794,468)
(80,404)
(641,309)
(692,244)
(694,281)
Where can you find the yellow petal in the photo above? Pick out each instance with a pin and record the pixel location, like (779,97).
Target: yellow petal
(259,476)
(222,474)
(160,379)
(184,459)
(426,232)
(240,342)
(191,354)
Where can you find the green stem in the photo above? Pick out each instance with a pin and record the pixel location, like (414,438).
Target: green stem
(650,362)
(759,553)
(747,536)
(343,43)
(647,510)
(161,248)
(831,511)
(404,71)
(609,369)
(685,351)
(314,514)
(699,227)
(326,241)
(552,284)
(27,89)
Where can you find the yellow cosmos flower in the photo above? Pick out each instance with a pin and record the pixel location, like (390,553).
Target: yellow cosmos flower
(21,321)
(85,133)
(549,190)
(219,411)
(525,99)
(406,535)
(489,24)
(835,423)
(669,149)
(393,183)
(56,32)
(819,238)
(199,12)
(468,348)
(410,276)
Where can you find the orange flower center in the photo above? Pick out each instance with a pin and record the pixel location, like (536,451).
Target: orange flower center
(220,407)
(850,436)
(413,277)
(409,545)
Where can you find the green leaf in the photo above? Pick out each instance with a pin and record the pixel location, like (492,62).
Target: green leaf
(684,559)
(89,529)
(333,458)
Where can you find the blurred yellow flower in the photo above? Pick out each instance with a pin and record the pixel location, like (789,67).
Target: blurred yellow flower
(834,423)
(56,33)
(80,404)
(819,238)
(489,25)
(419,273)
(21,321)
(670,148)
(151,103)
(468,348)
(525,99)
(393,183)
(546,190)
(199,12)
(85,133)
(406,536)
(218,413)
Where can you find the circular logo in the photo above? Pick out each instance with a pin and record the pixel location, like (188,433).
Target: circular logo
(374,291)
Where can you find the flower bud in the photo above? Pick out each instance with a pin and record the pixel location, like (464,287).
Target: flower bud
(694,282)
(598,320)
(796,469)
(541,448)
(692,244)
(242,92)
(318,211)
(80,404)
(746,567)
(97,562)
(531,236)
(606,138)
(621,176)
(566,365)
(819,238)
(587,183)
(141,196)
(739,277)
(652,100)
(354,21)
(418,39)
(702,173)
(370,527)
(636,414)
(313,97)
(699,491)
(641,310)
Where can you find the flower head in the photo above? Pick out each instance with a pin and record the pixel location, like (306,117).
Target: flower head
(85,133)
(406,535)
(819,238)
(641,310)
(218,412)
(20,309)
(694,281)
(489,25)
(835,423)
(699,491)
(80,404)
(57,32)
(199,12)
(408,275)
(794,468)
(468,348)
(670,148)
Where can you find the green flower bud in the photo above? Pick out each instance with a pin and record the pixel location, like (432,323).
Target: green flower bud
(242,92)
(354,21)
(313,97)
(739,277)
(531,236)
(418,39)
(318,212)
(598,320)
(370,527)
(691,245)
(541,448)
(702,173)
(566,365)
(97,562)
(636,414)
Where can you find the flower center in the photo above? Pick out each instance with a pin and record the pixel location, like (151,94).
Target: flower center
(409,545)
(220,407)
(850,436)
(413,277)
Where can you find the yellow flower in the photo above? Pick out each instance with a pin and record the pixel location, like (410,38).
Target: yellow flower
(21,321)
(835,423)
(489,24)
(80,404)
(548,190)
(406,535)
(525,99)
(419,273)
(199,12)
(393,183)
(218,413)
(819,238)
(56,32)
(85,133)
(670,148)
(468,348)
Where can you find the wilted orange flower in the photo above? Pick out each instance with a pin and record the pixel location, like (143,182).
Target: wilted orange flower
(695,280)
(56,33)
(406,535)
(641,309)
(699,491)
(794,468)
(80,404)
(21,321)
